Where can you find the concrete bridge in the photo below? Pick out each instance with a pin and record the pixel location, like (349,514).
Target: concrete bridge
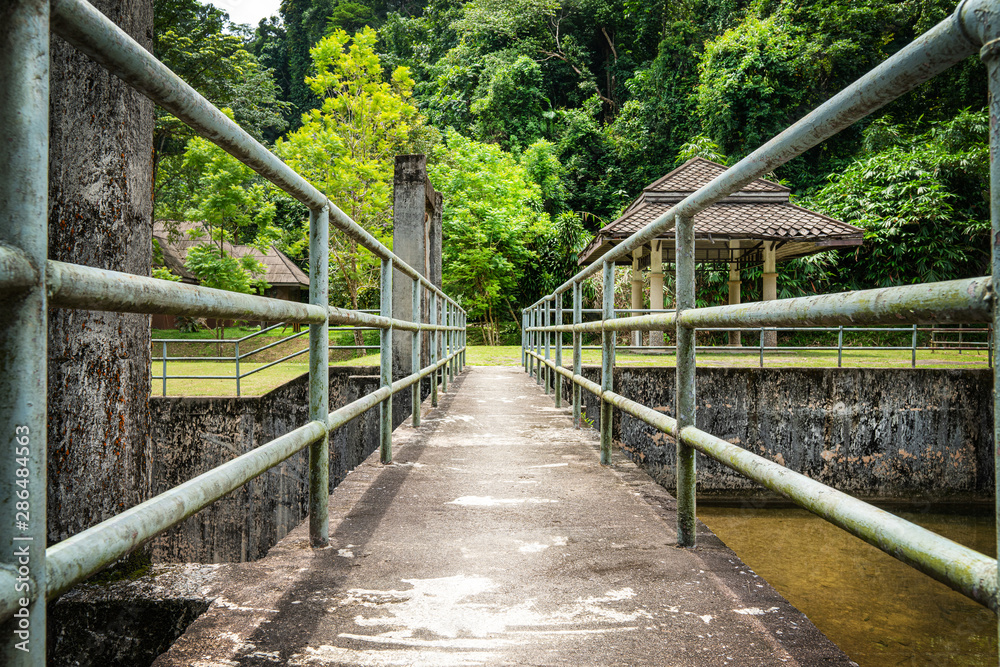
(494,534)
(494,537)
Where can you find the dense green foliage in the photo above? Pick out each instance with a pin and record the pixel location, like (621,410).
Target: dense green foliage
(542,119)
(347,147)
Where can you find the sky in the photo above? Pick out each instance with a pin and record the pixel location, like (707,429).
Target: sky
(247,11)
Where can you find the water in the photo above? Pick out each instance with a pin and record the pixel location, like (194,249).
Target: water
(879,611)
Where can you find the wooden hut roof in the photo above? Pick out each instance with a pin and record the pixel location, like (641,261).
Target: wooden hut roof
(175,240)
(759,213)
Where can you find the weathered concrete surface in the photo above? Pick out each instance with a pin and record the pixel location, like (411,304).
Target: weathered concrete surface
(497,538)
(193,435)
(126,623)
(921,434)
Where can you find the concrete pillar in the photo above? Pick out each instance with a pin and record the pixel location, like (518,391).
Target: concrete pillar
(416,239)
(434,242)
(734,288)
(656,286)
(636,293)
(433,265)
(770,287)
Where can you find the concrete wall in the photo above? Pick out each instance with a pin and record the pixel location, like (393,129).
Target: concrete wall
(193,435)
(877,433)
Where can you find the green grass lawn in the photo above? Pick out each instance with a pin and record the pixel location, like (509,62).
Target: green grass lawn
(231,334)
(254,385)
(510,355)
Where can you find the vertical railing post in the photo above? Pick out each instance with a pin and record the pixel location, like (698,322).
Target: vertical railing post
(537,317)
(548,339)
(529,362)
(415,365)
(686,363)
(319,380)
(913,359)
(524,341)
(385,365)
(607,361)
(24,163)
(449,321)
(762,347)
(577,353)
(559,337)
(465,340)
(237,355)
(164,368)
(445,321)
(454,342)
(434,349)
(990,55)
(840,346)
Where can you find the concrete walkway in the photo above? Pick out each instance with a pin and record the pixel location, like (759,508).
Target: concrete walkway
(496,538)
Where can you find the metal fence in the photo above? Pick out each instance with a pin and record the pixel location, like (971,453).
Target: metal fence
(936,343)
(237,357)
(973,28)
(30,284)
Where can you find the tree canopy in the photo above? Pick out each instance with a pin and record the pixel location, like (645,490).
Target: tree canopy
(579,104)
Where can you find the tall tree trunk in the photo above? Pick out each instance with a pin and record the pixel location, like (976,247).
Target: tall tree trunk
(100,207)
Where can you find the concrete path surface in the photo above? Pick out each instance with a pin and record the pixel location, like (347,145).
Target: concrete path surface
(496,538)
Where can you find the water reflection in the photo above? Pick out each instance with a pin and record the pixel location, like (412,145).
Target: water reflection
(879,611)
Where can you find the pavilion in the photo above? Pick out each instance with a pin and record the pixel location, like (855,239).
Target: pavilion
(756,226)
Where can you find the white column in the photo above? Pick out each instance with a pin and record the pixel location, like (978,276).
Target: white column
(636,293)
(734,287)
(770,287)
(656,286)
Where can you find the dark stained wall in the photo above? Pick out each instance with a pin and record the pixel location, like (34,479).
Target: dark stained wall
(921,434)
(193,435)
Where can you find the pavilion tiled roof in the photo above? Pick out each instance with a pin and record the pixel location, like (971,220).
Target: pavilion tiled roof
(175,241)
(697,172)
(759,212)
(764,221)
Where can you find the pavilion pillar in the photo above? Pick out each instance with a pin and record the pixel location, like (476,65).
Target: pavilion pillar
(656,287)
(636,293)
(734,287)
(770,287)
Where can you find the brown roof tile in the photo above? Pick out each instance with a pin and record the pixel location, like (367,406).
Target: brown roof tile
(771,221)
(698,172)
(175,242)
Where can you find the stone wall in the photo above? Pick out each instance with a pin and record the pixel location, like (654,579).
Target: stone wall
(921,434)
(193,435)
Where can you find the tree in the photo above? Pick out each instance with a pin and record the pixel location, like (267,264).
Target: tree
(513,111)
(347,147)
(784,59)
(201,45)
(232,204)
(922,201)
(492,218)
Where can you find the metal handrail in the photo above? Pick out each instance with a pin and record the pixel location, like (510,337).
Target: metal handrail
(974,25)
(32,284)
(761,349)
(238,356)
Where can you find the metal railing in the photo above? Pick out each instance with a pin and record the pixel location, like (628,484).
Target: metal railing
(762,348)
(30,284)
(973,28)
(237,357)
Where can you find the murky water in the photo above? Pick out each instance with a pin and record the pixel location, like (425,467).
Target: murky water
(879,611)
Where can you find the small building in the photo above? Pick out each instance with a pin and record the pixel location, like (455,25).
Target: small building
(757,226)
(287,281)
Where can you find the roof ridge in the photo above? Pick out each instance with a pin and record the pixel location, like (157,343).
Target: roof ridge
(701,179)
